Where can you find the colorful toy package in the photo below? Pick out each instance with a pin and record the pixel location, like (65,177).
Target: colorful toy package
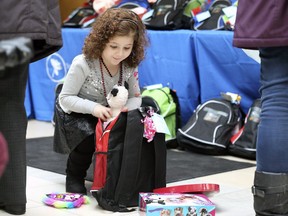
(65,200)
(176,204)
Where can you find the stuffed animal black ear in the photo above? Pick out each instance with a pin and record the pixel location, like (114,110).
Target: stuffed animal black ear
(114,91)
(126,85)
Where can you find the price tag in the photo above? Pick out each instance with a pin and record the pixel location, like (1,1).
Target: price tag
(230,11)
(148,14)
(156,86)
(202,16)
(160,124)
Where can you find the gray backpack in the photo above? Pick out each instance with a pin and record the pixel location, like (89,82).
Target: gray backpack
(210,127)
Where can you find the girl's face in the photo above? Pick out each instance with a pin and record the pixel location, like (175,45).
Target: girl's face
(117,49)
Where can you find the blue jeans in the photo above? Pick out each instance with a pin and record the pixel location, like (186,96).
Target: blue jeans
(272,143)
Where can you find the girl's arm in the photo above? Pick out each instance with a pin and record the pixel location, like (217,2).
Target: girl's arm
(134,97)
(68,98)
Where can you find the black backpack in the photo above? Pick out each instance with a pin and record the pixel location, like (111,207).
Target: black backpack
(126,163)
(243,143)
(210,127)
(215,21)
(167,15)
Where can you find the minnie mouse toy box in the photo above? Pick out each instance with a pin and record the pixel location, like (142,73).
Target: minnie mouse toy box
(176,204)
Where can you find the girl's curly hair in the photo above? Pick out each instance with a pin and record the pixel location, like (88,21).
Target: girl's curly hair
(116,22)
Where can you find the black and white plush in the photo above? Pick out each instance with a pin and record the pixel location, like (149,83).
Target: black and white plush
(117,98)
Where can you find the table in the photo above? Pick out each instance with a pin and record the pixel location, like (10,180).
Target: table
(197,64)
(223,68)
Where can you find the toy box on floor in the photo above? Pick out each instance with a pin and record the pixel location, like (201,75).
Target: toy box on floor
(176,204)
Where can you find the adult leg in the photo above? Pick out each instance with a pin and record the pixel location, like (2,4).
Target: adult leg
(4,158)
(271,177)
(13,124)
(79,160)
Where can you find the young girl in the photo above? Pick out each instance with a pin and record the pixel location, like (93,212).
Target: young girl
(111,54)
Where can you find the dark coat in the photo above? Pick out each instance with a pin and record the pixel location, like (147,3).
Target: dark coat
(261,23)
(36,19)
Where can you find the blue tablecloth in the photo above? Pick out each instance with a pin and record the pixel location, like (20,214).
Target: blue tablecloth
(45,74)
(198,65)
(223,68)
(170,60)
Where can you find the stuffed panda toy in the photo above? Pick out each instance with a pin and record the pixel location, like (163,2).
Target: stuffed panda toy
(116,99)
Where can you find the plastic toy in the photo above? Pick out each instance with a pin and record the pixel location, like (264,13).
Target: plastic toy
(65,200)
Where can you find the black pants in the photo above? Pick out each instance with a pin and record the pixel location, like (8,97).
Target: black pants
(80,158)
(13,125)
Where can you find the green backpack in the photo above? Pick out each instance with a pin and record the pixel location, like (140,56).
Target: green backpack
(167,105)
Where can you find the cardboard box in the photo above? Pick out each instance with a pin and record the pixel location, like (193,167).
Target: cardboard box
(174,204)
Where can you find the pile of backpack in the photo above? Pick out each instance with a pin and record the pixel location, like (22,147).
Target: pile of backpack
(220,127)
(163,14)
(191,14)
(84,16)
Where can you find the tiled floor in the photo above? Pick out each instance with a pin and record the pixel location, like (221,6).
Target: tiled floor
(234,198)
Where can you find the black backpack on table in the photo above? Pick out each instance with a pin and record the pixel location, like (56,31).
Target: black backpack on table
(167,15)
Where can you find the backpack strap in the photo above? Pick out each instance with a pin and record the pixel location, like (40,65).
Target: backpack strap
(160,152)
(132,151)
(170,102)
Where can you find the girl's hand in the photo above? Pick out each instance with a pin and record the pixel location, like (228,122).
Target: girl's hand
(124,109)
(102,112)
